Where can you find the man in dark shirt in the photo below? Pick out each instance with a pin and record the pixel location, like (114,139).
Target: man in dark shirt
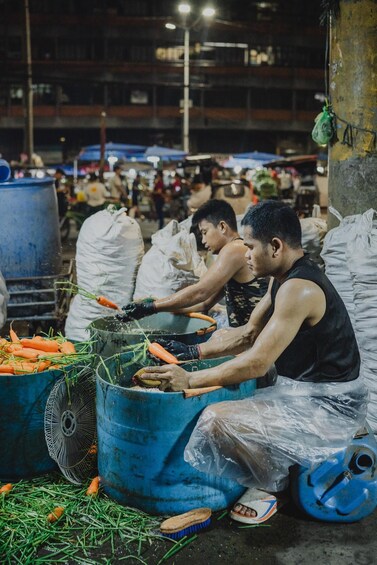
(318,403)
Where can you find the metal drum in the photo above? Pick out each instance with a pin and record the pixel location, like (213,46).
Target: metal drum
(23,449)
(141,440)
(111,336)
(29,228)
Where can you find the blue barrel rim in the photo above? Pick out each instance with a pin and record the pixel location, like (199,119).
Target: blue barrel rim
(27,182)
(141,390)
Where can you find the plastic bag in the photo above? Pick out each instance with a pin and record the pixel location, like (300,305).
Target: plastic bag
(323,130)
(255,441)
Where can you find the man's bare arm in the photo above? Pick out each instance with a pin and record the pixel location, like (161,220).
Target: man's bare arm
(296,302)
(229,261)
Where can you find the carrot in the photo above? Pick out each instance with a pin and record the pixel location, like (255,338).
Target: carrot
(158,351)
(11,347)
(6,369)
(6,488)
(23,367)
(67,348)
(43,365)
(107,303)
(47,345)
(55,514)
(31,354)
(13,336)
(93,487)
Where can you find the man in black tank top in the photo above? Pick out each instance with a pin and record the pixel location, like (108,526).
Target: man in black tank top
(302,327)
(215,223)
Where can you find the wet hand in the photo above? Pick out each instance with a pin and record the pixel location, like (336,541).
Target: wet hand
(168,377)
(180,350)
(137,310)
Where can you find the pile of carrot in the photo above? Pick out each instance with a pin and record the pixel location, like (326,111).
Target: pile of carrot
(33,355)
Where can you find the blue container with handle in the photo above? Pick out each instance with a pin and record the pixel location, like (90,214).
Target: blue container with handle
(343,488)
(142,436)
(29,228)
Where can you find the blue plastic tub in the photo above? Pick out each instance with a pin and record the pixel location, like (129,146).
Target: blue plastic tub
(141,439)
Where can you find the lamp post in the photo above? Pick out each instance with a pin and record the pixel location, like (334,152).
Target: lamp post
(185,10)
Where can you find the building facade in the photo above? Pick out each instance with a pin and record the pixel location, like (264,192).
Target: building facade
(256,74)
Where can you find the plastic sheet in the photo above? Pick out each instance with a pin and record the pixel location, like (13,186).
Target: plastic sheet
(255,441)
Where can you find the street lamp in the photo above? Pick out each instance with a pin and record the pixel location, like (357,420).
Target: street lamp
(185,10)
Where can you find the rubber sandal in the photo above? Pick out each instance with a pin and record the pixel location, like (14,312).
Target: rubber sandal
(264,504)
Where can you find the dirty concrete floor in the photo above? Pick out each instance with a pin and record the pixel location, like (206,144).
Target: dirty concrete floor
(289,538)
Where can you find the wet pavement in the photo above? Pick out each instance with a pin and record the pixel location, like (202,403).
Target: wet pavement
(289,538)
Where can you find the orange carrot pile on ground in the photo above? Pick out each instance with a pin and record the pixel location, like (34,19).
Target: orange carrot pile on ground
(33,355)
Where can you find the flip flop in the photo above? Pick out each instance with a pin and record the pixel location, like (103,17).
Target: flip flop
(264,504)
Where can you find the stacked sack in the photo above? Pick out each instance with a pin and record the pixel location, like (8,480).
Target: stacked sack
(4,297)
(350,255)
(362,262)
(108,254)
(334,257)
(172,262)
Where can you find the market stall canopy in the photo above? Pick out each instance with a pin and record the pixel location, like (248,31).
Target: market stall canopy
(233,162)
(258,156)
(118,150)
(156,153)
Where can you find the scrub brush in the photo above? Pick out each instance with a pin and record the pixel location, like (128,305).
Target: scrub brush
(184,524)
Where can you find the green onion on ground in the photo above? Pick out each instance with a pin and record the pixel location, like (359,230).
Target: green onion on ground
(91,530)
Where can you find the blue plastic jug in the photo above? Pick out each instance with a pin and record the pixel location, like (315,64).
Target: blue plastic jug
(342,488)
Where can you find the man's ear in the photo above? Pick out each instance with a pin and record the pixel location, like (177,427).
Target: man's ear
(222,225)
(277,246)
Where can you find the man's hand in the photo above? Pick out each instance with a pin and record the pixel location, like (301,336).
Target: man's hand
(137,310)
(180,350)
(171,377)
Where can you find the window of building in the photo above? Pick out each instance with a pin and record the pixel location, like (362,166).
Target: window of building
(81,94)
(43,94)
(227,98)
(16,94)
(271,98)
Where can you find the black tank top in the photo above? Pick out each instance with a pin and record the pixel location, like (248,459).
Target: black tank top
(328,351)
(241,299)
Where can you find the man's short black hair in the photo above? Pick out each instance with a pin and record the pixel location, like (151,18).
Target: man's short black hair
(216,211)
(60,172)
(271,219)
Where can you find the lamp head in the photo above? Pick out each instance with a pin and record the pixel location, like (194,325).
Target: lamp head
(184,9)
(208,12)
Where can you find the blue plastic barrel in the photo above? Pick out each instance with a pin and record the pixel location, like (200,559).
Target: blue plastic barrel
(29,228)
(141,440)
(4,170)
(23,449)
(343,488)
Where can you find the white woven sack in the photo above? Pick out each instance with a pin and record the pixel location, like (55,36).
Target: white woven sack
(4,297)
(334,256)
(171,264)
(313,235)
(108,254)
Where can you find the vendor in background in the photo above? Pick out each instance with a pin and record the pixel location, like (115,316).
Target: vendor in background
(62,192)
(96,194)
(158,197)
(229,275)
(319,401)
(136,192)
(200,193)
(118,189)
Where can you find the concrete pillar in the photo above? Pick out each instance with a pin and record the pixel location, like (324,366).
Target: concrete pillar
(353,94)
